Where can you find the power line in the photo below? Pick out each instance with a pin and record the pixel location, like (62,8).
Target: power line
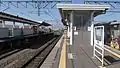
(35,3)
(49,12)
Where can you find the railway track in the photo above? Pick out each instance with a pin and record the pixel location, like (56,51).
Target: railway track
(39,58)
(27,58)
(10,58)
(9,53)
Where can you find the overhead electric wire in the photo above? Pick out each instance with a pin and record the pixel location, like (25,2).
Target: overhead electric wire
(53,16)
(22,13)
(29,16)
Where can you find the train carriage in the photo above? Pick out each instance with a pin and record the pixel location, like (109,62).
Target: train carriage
(111,33)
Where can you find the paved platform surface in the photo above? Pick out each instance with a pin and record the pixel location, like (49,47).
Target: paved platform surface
(81,52)
(52,60)
(79,55)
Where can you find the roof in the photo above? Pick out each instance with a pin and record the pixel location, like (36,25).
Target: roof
(114,22)
(45,24)
(82,7)
(66,8)
(9,17)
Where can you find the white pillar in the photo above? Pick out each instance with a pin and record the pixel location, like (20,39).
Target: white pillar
(92,34)
(3,23)
(71,28)
(13,24)
(92,28)
(71,33)
(68,32)
(68,28)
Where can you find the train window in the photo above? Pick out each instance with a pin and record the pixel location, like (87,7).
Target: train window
(115,31)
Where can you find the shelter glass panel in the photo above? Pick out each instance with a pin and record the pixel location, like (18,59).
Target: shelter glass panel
(78,22)
(98,33)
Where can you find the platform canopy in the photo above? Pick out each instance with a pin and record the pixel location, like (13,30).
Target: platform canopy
(80,17)
(9,17)
(81,12)
(44,24)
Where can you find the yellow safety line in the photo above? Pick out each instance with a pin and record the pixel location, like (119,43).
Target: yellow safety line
(62,63)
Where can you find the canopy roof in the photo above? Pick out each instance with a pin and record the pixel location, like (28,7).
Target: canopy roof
(65,9)
(9,17)
(45,24)
(82,7)
(114,22)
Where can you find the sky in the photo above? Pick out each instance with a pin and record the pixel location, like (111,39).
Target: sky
(52,14)
(31,13)
(78,1)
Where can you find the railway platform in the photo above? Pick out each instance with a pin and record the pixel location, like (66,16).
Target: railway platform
(78,55)
(53,59)
(80,45)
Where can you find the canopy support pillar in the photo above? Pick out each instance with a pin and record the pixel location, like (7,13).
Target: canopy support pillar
(71,28)
(92,28)
(68,31)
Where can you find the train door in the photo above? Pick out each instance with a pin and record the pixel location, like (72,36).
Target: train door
(98,51)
